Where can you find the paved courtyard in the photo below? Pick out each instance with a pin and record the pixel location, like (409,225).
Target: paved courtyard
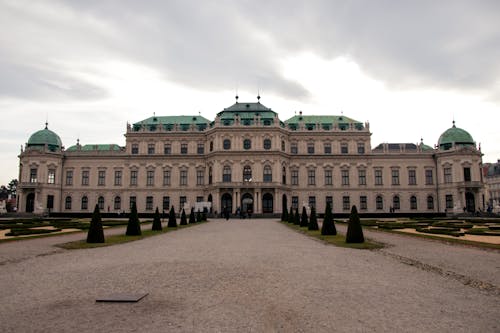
(249,276)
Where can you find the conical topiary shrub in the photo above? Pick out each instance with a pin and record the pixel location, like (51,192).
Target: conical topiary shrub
(328,227)
(198,216)
(354,230)
(191,216)
(172,219)
(284,213)
(204,214)
(296,218)
(183,218)
(303,218)
(156,221)
(133,226)
(291,217)
(95,234)
(313,220)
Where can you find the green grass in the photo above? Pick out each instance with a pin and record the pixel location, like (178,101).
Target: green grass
(337,240)
(122,238)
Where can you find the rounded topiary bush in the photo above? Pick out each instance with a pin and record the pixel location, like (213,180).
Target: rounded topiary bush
(133,226)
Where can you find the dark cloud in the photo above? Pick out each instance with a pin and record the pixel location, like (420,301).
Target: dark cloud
(212,46)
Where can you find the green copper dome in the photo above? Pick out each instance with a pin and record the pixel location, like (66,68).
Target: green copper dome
(45,137)
(455,136)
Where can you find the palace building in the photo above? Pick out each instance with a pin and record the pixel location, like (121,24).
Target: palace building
(248,158)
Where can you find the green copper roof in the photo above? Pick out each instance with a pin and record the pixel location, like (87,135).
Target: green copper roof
(327,122)
(168,122)
(97,147)
(247,112)
(45,137)
(455,136)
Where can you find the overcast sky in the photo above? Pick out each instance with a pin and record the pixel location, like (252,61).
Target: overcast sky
(89,67)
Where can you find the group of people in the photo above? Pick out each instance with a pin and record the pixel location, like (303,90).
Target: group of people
(226,212)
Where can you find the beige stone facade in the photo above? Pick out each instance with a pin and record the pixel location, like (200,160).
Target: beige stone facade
(248,158)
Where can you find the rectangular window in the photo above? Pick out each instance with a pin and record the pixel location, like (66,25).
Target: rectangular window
(293,148)
(345,177)
(361,148)
(67,203)
(149,203)
(467,177)
(85,177)
(133,200)
(151,148)
(183,177)
(199,199)
(362,177)
(166,204)
(200,177)
(328,148)
(363,202)
(344,148)
(69,177)
(329,200)
(295,177)
(150,178)
(33,173)
(395,177)
(166,177)
(167,149)
(295,202)
(429,178)
(201,148)
(50,201)
(184,148)
(430,202)
(449,201)
(447,175)
(101,179)
(310,148)
(312,201)
(311,177)
(51,179)
(328,177)
(118,177)
(133,177)
(135,149)
(346,202)
(412,177)
(118,204)
(182,202)
(378,177)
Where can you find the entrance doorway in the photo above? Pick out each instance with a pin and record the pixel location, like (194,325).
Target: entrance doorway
(267,203)
(226,202)
(30,203)
(470,203)
(247,203)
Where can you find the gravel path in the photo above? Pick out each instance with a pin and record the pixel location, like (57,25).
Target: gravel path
(248,276)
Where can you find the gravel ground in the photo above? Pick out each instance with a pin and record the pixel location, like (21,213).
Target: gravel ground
(249,276)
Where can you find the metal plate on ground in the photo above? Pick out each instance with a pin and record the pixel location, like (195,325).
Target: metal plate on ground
(122,298)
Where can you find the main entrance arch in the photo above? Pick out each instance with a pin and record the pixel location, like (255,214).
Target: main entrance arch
(30,203)
(267,203)
(470,203)
(226,202)
(247,203)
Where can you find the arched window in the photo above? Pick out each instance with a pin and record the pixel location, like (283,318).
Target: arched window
(226,144)
(430,202)
(118,203)
(283,175)
(379,202)
(226,174)
(267,144)
(395,202)
(67,202)
(283,145)
(211,146)
(100,203)
(247,144)
(247,173)
(85,203)
(413,202)
(268,174)
(210,175)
